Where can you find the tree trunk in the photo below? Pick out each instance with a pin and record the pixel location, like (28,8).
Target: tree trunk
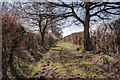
(86,37)
(118,43)
(87,44)
(42,38)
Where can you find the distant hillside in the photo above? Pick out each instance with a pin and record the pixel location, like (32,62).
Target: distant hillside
(75,38)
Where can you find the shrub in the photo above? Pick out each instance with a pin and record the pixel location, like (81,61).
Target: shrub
(106,38)
(78,48)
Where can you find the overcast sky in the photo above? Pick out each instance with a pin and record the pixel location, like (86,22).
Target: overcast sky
(72,29)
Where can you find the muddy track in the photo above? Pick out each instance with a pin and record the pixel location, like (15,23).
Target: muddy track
(64,61)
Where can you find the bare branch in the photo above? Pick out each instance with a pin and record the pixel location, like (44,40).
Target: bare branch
(103,10)
(112,13)
(97,5)
(75,15)
(102,17)
(59,4)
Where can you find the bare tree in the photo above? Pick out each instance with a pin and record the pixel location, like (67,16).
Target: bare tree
(85,12)
(36,15)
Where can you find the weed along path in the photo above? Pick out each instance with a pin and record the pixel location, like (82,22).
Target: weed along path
(65,60)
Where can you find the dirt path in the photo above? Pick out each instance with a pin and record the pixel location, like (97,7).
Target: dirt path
(64,61)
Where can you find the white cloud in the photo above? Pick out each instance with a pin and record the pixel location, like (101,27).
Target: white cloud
(72,29)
